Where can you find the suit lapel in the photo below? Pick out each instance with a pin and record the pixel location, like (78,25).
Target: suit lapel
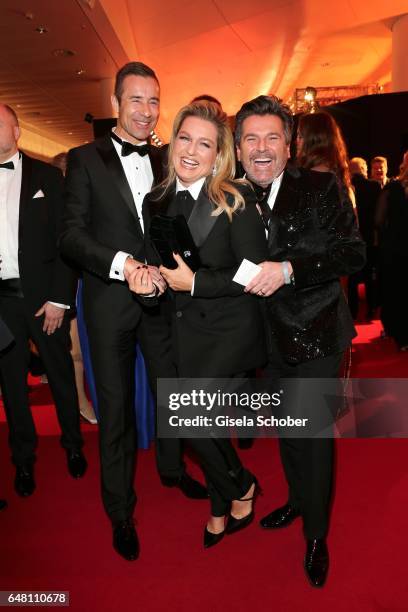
(112,162)
(201,222)
(25,192)
(286,202)
(161,204)
(157,164)
(287,192)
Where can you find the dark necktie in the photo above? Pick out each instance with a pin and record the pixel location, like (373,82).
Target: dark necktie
(8,166)
(184,203)
(262,195)
(128,147)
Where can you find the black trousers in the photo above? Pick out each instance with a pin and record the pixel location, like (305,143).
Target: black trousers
(54,351)
(227,479)
(307,462)
(112,343)
(155,338)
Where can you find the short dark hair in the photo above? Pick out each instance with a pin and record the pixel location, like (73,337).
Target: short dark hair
(265,105)
(208,98)
(135,69)
(11,112)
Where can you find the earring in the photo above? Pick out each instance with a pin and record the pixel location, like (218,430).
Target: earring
(214,170)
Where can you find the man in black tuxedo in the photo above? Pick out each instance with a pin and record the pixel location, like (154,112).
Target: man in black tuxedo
(5,340)
(312,240)
(36,289)
(103,234)
(367,193)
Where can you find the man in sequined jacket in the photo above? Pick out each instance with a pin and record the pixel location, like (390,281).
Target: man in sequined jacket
(313,240)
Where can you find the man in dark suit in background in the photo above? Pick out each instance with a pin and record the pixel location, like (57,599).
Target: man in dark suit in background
(312,240)
(36,289)
(103,234)
(5,340)
(367,193)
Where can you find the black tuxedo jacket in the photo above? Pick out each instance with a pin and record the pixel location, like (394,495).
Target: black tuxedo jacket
(44,275)
(220,330)
(100,219)
(316,230)
(367,195)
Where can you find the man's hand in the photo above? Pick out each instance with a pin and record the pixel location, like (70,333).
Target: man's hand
(157,279)
(140,281)
(269,280)
(53,317)
(180,279)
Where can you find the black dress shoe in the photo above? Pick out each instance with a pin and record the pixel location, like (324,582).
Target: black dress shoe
(236,524)
(24,481)
(3,504)
(281,517)
(125,540)
(190,487)
(316,561)
(211,539)
(76,463)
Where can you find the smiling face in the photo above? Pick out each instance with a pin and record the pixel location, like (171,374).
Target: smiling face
(263,150)
(138,109)
(194,150)
(379,171)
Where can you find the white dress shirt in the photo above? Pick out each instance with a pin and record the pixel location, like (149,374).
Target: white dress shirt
(10,190)
(274,190)
(139,175)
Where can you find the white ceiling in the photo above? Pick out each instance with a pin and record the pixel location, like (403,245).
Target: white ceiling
(232,49)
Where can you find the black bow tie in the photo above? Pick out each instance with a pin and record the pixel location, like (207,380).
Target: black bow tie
(8,166)
(184,203)
(128,148)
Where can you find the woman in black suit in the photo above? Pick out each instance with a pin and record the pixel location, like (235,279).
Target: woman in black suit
(216,329)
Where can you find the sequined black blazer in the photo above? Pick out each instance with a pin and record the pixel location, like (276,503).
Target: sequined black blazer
(316,230)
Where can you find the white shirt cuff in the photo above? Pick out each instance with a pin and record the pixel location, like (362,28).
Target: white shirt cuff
(118,264)
(192,286)
(64,306)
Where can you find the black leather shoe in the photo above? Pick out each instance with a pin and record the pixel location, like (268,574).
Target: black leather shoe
(316,561)
(281,517)
(76,463)
(24,482)
(125,540)
(3,504)
(211,539)
(187,485)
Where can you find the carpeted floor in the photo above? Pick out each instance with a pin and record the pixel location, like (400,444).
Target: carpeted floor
(60,539)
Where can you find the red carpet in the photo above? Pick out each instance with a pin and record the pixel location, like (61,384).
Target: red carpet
(60,539)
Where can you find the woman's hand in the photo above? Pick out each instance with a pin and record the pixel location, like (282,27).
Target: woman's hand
(140,281)
(180,279)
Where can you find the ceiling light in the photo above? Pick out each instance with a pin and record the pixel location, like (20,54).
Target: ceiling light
(310,94)
(80,71)
(41,30)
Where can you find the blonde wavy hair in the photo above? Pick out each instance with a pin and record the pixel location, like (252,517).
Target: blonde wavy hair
(221,182)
